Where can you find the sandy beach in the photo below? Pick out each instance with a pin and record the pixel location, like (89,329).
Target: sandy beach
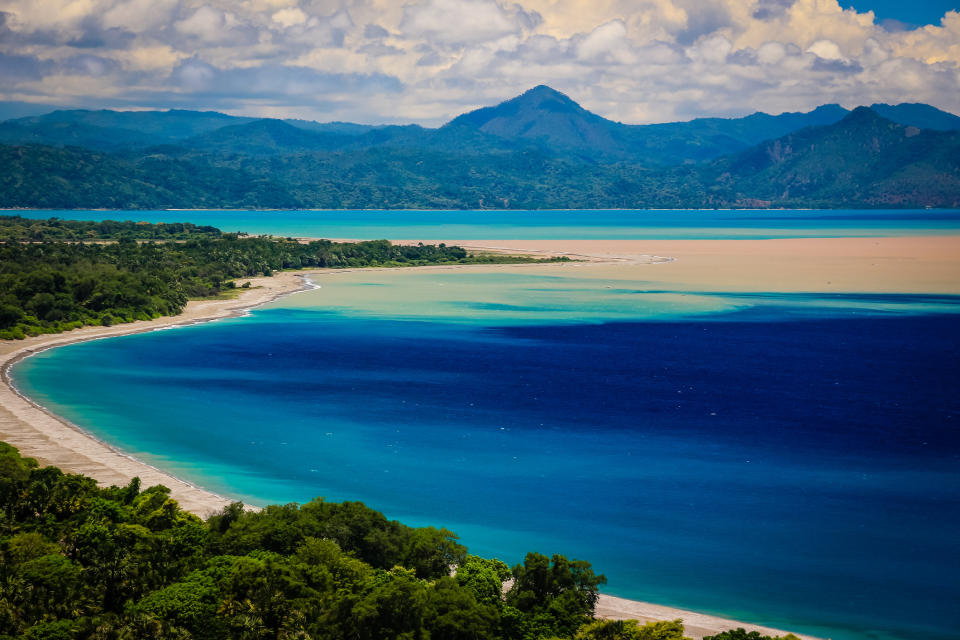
(40,434)
(876,265)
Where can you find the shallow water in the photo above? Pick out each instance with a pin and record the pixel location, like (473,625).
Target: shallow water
(790,459)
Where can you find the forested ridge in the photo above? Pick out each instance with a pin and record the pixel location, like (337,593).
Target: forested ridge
(49,286)
(81,561)
(540,150)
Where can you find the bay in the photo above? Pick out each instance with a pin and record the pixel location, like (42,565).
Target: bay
(785,458)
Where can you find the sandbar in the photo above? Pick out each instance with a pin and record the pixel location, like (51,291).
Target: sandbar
(902,264)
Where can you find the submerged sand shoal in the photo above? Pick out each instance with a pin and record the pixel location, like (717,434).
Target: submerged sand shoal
(877,265)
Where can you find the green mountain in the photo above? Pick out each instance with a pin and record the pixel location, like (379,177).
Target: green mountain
(922,116)
(67,178)
(550,118)
(540,118)
(863,160)
(539,150)
(553,120)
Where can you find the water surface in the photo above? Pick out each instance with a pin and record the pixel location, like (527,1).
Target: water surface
(789,459)
(551,225)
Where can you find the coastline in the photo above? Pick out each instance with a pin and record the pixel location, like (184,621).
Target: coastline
(922,265)
(52,440)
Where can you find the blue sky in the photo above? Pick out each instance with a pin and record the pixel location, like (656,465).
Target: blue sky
(426,61)
(918,13)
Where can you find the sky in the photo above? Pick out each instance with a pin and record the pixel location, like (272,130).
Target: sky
(426,61)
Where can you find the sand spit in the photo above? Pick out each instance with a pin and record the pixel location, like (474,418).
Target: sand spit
(696,625)
(902,264)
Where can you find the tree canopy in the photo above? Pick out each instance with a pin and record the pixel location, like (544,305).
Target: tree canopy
(49,286)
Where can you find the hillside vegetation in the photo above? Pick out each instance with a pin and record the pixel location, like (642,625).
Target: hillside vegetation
(539,150)
(48,285)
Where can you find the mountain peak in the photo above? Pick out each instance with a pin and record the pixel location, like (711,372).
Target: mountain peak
(863,115)
(543,92)
(528,106)
(545,116)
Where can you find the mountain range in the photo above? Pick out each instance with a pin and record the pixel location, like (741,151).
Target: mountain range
(538,150)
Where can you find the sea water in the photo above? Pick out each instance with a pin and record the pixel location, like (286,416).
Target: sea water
(549,225)
(787,459)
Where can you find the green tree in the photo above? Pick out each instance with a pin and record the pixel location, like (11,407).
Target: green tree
(631,630)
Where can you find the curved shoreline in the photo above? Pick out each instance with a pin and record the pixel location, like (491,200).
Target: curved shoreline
(39,433)
(53,440)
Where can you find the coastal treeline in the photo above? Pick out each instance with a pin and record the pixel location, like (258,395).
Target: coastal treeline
(81,561)
(54,286)
(20,229)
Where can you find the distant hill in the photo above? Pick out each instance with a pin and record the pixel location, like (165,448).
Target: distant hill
(111,130)
(922,116)
(68,178)
(548,117)
(538,150)
(75,134)
(541,117)
(557,122)
(267,137)
(863,160)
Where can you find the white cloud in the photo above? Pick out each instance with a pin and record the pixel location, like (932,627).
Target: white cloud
(289,17)
(711,49)
(608,43)
(427,60)
(826,49)
(465,21)
(771,52)
(205,23)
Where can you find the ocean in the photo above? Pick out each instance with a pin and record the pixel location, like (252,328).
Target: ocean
(550,225)
(789,459)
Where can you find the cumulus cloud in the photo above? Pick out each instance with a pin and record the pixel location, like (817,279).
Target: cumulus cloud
(465,21)
(428,60)
(608,43)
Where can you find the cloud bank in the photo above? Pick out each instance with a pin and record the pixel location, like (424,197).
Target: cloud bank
(426,61)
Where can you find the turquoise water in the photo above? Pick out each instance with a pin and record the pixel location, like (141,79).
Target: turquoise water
(787,459)
(550,225)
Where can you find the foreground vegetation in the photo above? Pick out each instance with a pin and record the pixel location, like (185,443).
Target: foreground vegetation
(53,286)
(79,561)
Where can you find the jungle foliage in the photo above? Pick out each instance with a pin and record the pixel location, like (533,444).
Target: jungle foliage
(79,561)
(20,229)
(54,286)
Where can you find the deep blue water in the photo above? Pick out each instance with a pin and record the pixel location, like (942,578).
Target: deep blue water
(802,472)
(549,225)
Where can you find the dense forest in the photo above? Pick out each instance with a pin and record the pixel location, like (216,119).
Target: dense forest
(53,286)
(20,229)
(81,561)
